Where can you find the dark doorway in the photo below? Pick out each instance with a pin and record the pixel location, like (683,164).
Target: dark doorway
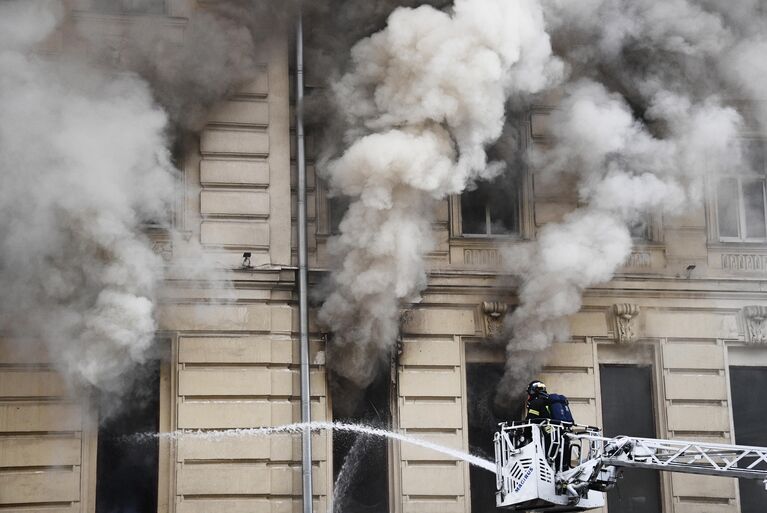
(361,462)
(627,409)
(483,417)
(749,417)
(127,466)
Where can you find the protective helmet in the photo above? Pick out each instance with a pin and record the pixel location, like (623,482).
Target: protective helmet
(536,387)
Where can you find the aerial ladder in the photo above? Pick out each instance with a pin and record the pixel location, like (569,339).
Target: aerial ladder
(559,467)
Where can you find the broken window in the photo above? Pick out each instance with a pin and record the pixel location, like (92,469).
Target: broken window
(360,461)
(127,466)
(482,380)
(741,202)
(749,418)
(627,409)
(494,207)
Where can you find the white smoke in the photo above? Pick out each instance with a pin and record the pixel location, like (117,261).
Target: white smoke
(422,100)
(643,123)
(85,128)
(84,162)
(647,147)
(624,172)
(644,120)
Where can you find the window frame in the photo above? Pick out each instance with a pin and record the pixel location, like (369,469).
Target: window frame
(457,228)
(393,450)
(526,227)
(644,352)
(740,354)
(712,203)
(167,351)
(742,228)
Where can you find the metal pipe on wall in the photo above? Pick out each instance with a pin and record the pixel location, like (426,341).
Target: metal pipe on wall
(303,314)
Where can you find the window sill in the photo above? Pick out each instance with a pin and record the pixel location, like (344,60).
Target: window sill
(487,238)
(750,245)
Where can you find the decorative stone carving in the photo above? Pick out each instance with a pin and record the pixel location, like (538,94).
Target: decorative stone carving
(482,257)
(639,259)
(756,324)
(625,315)
(164,248)
(495,312)
(744,262)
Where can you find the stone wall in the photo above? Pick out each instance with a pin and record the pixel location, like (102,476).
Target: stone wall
(45,453)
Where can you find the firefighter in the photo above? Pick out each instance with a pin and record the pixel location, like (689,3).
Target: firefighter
(538,410)
(538,404)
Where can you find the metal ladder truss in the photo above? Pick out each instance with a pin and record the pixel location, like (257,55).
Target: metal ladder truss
(681,456)
(584,464)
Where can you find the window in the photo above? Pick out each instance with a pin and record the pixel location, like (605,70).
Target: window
(360,461)
(627,409)
(127,470)
(483,417)
(741,202)
(337,207)
(493,208)
(640,228)
(749,418)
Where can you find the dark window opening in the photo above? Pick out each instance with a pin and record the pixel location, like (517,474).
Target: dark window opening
(337,207)
(749,417)
(640,228)
(127,468)
(482,380)
(361,462)
(627,409)
(493,208)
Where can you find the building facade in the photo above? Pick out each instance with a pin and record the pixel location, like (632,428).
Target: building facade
(680,333)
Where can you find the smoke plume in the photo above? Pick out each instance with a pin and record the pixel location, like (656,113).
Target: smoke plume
(653,96)
(646,116)
(421,101)
(85,137)
(84,162)
(643,123)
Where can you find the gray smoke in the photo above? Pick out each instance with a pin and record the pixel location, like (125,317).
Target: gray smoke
(643,123)
(191,67)
(646,116)
(86,129)
(421,101)
(623,172)
(85,137)
(84,163)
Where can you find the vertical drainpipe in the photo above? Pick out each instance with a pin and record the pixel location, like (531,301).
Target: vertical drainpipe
(303,314)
